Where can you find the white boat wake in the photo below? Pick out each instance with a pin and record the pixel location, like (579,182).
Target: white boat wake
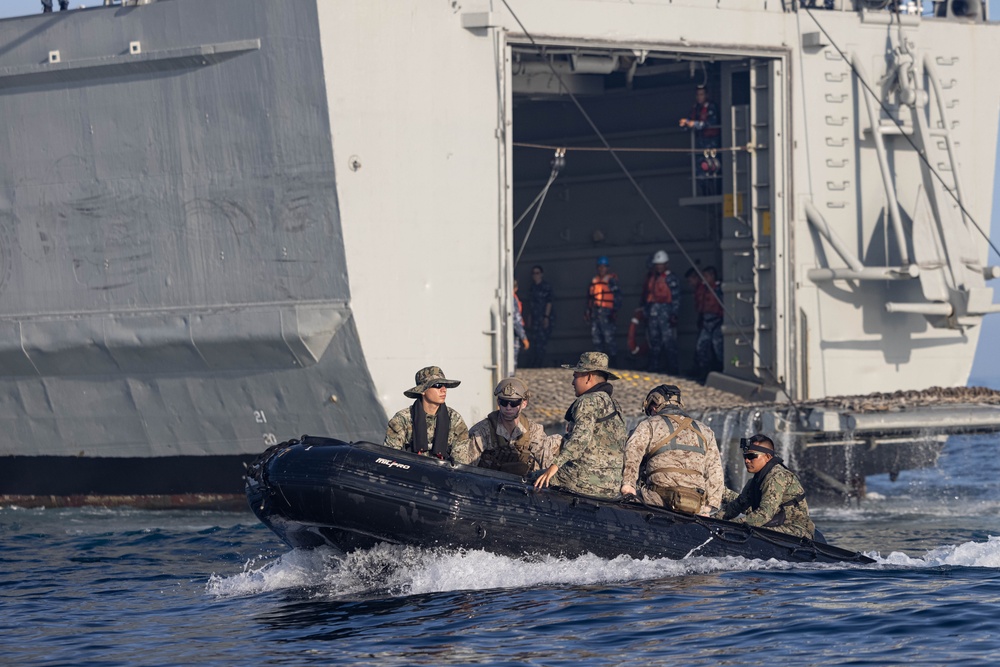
(392,571)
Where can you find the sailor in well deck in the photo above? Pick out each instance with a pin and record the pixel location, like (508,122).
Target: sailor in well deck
(590,461)
(604,299)
(708,305)
(683,467)
(661,297)
(773,498)
(507,440)
(540,315)
(416,429)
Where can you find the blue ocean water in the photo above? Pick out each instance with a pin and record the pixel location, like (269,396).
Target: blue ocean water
(126,587)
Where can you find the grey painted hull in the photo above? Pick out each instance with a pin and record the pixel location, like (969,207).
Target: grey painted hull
(172,276)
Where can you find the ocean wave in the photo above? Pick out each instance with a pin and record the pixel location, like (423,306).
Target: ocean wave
(969,554)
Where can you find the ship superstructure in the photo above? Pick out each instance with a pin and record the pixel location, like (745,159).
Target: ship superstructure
(228,221)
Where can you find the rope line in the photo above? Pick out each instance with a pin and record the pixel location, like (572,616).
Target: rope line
(605,149)
(558,162)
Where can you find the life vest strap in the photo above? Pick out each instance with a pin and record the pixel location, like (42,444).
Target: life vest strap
(684,424)
(779,517)
(608,417)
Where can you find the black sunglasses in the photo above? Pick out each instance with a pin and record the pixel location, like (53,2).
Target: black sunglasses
(750,456)
(509,403)
(439,385)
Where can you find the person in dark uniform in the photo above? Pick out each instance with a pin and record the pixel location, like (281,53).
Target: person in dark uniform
(704,121)
(540,316)
(604,299)
(47,5)
(661,298)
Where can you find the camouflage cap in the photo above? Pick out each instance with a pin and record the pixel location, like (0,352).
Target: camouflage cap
(425,378)
(592,362)
(511,388)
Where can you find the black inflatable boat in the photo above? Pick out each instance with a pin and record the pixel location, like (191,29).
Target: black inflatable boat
(320,491)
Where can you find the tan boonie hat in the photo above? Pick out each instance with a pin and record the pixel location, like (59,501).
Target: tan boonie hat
(511,388)
(425,378)
(592,362)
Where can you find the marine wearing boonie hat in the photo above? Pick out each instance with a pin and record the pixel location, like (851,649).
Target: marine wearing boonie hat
(592,362)
(427,378)
(590,459)
(428,426)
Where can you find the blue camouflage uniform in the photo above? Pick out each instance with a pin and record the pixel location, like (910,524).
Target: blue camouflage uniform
(605,299)
(661,324)
(539,298)
(709,347)
(519,334)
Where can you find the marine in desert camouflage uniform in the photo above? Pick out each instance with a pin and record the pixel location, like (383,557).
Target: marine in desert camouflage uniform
(590,461)
(682,464)
(773,498)
(429,405)
(507,440)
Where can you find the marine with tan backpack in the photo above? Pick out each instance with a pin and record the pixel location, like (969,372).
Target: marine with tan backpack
(676,457)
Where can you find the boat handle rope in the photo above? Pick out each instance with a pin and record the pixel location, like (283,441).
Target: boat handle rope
(517,489)
(804,553)
(728,534)
(812,548)
(580,502)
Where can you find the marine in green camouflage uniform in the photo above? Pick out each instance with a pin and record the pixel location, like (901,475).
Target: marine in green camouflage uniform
(590,461)
(429,394)
(679,457)
(507,440)
(773,498)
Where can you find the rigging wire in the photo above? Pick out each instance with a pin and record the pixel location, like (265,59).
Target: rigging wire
(920,153)
(558,162)
(603,149)
(541,195)
(642,195)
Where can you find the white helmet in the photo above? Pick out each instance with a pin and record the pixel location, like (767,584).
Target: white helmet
(661,257)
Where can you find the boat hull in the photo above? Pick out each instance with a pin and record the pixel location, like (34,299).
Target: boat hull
(319,491)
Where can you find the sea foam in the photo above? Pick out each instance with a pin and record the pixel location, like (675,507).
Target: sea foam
(393,571)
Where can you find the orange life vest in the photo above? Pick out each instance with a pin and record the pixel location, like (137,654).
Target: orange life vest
(600,291)
(705,302)
(657,289)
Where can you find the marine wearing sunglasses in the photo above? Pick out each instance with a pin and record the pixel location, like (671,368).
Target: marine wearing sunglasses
(755,456)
